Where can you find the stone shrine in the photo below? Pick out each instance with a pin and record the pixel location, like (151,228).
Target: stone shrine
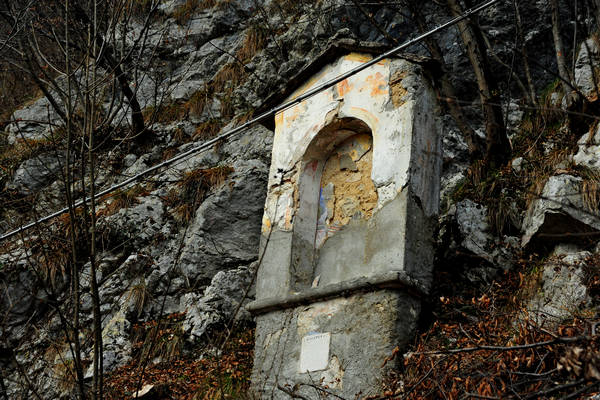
(352,200)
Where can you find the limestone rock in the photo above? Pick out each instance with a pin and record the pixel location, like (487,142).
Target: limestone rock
(472,221)
(589,150)
(140,222)
(226,228)
(586,68)
(35,173)
(562,291)
(32,122)
(219,302)
(116,343)
(559,210)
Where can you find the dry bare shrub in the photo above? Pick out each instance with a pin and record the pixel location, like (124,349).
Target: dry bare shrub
(192,189)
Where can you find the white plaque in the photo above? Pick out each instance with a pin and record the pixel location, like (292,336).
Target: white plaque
(314,352)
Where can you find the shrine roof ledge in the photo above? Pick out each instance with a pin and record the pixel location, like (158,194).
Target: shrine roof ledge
(334,51)
(398,280)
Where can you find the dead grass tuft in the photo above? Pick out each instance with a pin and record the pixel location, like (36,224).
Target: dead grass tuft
(192,189)
(208,129)
(140,294)
(122,198)
(163,340)
(255,41)
(590,187)
(186,11)
(164,114)
(64,376)
(197,101)
(11,156)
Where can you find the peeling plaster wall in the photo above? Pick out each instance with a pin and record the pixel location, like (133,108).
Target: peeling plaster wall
(397,107)
(353,194)
(346,190)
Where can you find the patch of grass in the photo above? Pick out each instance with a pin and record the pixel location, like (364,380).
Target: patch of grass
(139,7)
(590,187)
(164,113)
(197,101)
(162,339)
(64,376)
(122,198)
(254,41)
(192,189)
(186,11)
(208,129)
(140,294)
(12,155)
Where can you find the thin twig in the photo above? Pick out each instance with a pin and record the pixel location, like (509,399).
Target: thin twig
(504,348)
(542,393)
(291,393)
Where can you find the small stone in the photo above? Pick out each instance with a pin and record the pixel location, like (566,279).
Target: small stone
(128,160)
(146,392)
(517,164)
(589,150)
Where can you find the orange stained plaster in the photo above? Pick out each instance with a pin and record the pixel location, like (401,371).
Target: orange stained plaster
(344,87)
(293,113)
(371,120)
(377,84)
(353,190)
(361,57)
(288,218)
(266,224)
(278,122)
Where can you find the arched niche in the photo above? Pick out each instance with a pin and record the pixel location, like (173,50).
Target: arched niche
(335,188)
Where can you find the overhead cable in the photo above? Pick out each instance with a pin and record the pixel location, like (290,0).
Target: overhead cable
(262,117)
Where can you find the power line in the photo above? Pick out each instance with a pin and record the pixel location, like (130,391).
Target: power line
(262,117)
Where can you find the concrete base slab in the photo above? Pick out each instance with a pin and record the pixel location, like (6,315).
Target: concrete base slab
(364,329)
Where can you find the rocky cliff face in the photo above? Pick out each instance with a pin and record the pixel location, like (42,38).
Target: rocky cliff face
(186,239)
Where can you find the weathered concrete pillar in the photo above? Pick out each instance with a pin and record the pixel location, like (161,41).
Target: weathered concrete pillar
(347,229)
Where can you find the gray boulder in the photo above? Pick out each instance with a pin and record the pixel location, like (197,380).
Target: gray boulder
(560,210)
(32,121)
(589,150)
(35,174)
(141,222)
(221,303)
(226,228)
(562,289)
(586,68)
(472,221)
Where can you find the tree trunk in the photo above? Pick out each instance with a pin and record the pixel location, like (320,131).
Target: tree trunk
(107,61)
(497,143)
(561,60)
(596,9)
(519,23)
(447,91)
